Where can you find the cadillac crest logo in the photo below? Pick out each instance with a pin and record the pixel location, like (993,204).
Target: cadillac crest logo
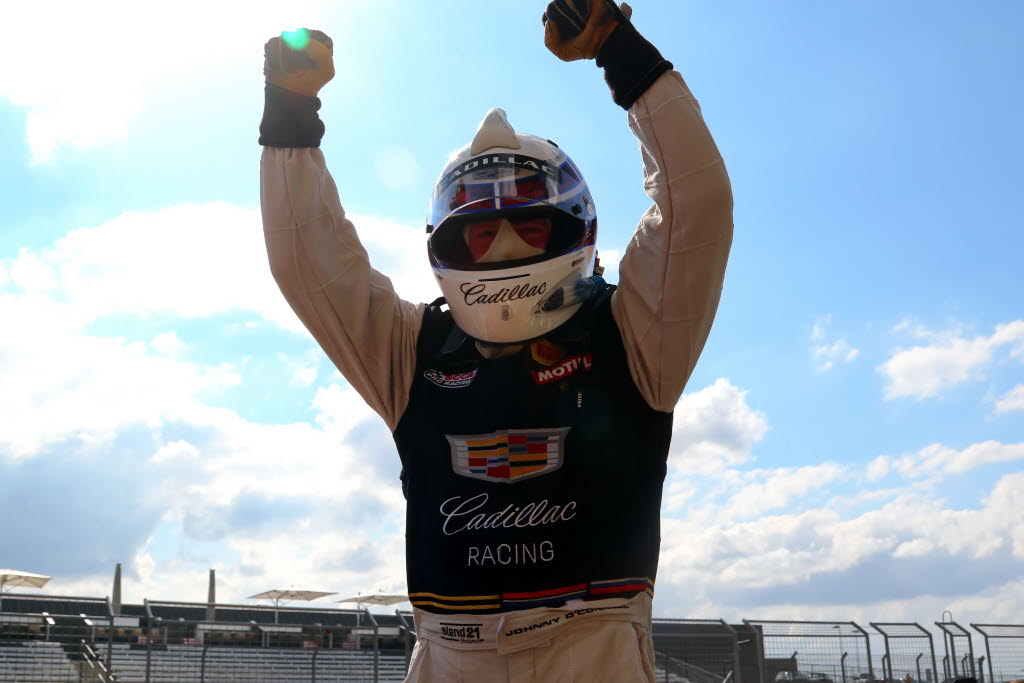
(509,455)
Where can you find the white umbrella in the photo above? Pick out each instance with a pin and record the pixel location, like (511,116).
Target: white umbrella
(283,595)
(288,594)
(14,579)
(377,599)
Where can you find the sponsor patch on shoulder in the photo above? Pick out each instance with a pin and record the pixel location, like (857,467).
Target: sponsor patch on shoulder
(450,381)
(569,366)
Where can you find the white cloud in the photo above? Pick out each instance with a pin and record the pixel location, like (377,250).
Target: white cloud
(192,261)
(817,560)
(765,490)
(825,355)
(610,259)
(1011,400)
(398,251)
(938,459)
(116,57)
(714,428)
(176,450)
(168,343)
(60,383)
(304,376)
(948,359)
(879,467)
(31,274)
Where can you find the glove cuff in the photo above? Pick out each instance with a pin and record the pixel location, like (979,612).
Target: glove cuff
(631,64)
(290,119)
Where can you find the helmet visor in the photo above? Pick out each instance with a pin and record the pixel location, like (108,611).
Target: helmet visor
(507,186)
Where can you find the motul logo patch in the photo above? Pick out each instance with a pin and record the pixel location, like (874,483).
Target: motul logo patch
(569,366)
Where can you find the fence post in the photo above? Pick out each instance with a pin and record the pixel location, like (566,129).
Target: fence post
(149,649)
(110,646)
(867,647)
(842,665)
(315,653)
(931,650)
(202,663)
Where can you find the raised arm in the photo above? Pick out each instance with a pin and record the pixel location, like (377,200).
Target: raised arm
(670,278)
(315,255)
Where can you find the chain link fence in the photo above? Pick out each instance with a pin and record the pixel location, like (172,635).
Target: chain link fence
(712,645)
(813,651)
(1004,651)
(958,661)
(909,653)
(55,639)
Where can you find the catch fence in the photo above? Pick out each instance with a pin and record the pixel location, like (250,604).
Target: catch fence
(61,639)
(958,661)
(1004,651)
(814,651)
(909,653)
(711,645)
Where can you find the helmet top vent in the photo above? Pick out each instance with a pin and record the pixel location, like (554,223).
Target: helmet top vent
(494,131)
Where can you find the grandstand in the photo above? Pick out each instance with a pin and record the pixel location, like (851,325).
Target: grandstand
(52,639)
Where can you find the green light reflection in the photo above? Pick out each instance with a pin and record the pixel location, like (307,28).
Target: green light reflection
(297,39)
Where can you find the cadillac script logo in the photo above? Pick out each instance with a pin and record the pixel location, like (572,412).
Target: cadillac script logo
(509,455)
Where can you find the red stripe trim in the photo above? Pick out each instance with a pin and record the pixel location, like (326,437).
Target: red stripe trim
(551,591)
(619,589)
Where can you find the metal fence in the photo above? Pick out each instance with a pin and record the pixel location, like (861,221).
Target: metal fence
(814,651)
(63,640)
(1004,650)
(958,661)
(909,653)
(669,669)
(65,649)
(711,645)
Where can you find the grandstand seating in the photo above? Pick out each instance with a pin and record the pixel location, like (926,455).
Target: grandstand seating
(53,639)
(33,661)
(182,663)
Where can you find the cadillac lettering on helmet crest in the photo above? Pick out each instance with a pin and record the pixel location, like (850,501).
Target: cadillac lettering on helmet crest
(477,293)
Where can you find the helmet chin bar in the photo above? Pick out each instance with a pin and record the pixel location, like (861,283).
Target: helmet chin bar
(571,291)
(520,303)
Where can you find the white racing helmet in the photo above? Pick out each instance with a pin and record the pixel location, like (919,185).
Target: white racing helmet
(505,175)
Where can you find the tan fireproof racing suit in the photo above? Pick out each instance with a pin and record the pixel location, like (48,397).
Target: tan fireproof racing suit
(670,281)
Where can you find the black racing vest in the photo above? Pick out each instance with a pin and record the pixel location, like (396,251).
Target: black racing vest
(532,479)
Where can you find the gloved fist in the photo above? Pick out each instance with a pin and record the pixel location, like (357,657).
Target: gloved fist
(576,29)
(301,61)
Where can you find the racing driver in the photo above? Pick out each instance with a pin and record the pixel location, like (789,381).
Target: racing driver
(532,405)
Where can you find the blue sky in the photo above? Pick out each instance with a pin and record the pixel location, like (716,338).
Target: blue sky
(849,446)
